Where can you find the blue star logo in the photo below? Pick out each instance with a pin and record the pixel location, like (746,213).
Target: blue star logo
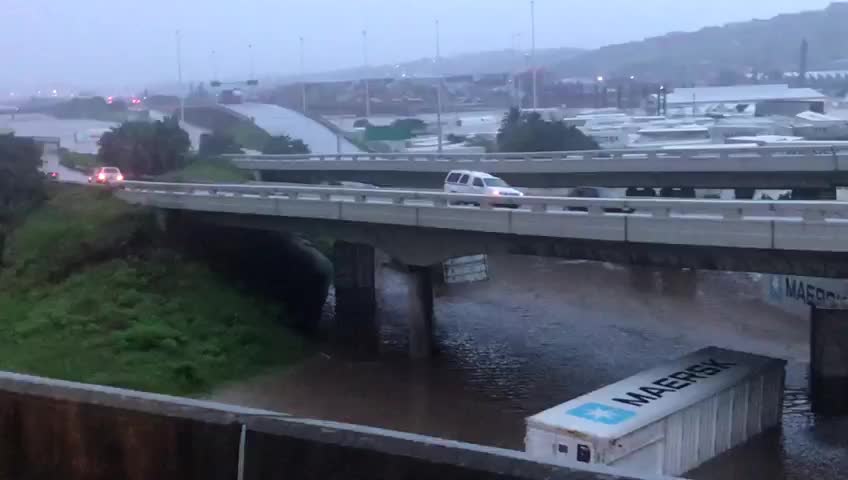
(596,412)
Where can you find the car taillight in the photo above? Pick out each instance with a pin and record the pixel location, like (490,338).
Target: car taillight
(102,176)
(120,178)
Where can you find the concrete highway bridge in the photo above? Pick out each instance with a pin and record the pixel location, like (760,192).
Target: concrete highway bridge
(814,171)
(422,229)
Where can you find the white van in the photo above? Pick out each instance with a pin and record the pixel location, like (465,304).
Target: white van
(478,183)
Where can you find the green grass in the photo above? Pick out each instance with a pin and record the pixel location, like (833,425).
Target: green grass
(208,170)
(74,305)
(249,136)
(83,162)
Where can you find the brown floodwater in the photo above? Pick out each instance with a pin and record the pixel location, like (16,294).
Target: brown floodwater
(542,331)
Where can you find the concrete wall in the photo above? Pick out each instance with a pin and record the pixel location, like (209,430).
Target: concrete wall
(428,246)
(62,430)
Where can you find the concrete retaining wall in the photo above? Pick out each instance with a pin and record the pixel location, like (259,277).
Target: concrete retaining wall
(54,429)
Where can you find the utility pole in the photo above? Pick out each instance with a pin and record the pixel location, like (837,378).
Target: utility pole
(365,73)
(180,75)
(302,78)
(533,51)
(439,86)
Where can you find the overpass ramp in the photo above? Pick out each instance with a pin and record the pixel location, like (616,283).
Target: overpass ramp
(277,120)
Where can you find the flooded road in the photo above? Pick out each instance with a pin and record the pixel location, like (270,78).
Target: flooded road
(543,331)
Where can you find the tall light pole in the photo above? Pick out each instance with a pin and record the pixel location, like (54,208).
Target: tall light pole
(252,65)
(533,51)
(516,87)
(214,61)
(365,73)
(439,85)
(302,78)
(180,74)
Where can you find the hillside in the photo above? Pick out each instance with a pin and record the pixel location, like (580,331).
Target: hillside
(89,293)
(495,61)
(761,45)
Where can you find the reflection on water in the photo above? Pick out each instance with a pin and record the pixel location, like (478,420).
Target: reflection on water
(543,331)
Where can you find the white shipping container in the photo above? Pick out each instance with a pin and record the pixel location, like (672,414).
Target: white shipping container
(667,420)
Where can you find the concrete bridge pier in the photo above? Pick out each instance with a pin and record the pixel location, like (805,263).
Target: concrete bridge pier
(421,343)
(829,361)
(356,297)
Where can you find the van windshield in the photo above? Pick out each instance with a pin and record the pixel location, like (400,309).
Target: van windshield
(495,182)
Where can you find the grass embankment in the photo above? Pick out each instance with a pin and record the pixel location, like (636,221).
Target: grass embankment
(249,135)
(208,170)
(85,297)
(198,170)
(81,162)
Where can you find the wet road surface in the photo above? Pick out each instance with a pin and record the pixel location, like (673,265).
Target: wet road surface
(543,331)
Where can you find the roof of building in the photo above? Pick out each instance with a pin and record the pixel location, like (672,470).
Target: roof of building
(741,94)
(817,117)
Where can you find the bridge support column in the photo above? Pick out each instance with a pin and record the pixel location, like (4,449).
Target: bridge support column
(257,175)
(829,361)
(356,297)
(814,193)
(421,342)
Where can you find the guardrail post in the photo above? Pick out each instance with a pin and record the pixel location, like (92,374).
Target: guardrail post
(733,214)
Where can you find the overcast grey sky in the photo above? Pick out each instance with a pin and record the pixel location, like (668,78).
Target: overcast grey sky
(117,42)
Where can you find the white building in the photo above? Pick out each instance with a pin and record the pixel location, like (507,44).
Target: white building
(705,98)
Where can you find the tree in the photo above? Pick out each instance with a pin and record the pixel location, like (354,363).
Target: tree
(284,145)
(527,132)
(218,143)
(410,124)
(21,183)
(145,148)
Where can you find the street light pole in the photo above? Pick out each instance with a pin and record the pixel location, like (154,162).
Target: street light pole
(439,85)
(516,73)
(252,65)
(180,75)
(214,59)
(533,51)
(365,73)
(302,78)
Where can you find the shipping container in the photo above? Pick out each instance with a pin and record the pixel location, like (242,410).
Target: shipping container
(667,420)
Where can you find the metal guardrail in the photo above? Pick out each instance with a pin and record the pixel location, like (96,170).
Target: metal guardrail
(657,207)
(744,159)
(783,225)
